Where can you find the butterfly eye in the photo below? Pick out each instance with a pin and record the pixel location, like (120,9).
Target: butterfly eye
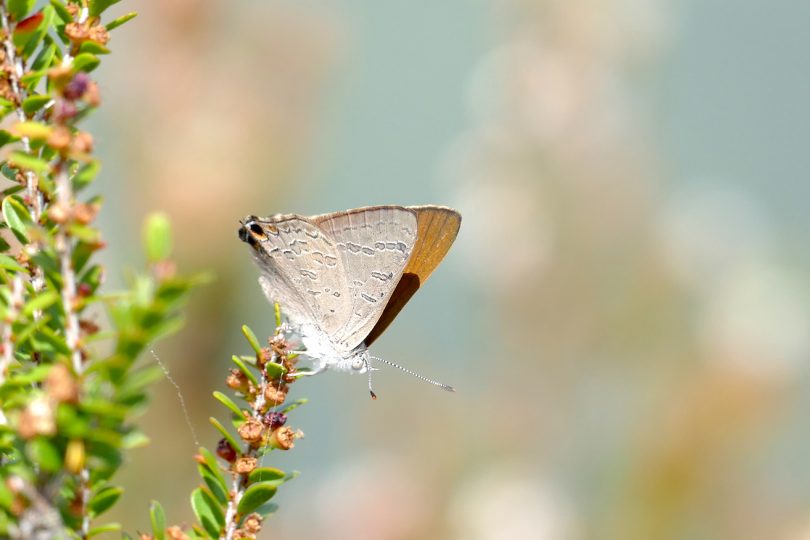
(358,365)
(243,234)
(256,229)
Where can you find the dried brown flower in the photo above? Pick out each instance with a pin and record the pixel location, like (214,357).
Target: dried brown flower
(251,431)
(37,419)
(176,533)
(82,143)
(274,396)
(284,438)
(85,213)
(245,465)
(264,356)
(61,385)
(92,95)
(77,32)
(59,138)
(237,381)
(98,34)
(252,523)
(59,213)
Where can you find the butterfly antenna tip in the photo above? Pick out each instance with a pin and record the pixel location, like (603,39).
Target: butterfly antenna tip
(368,369)
(443,386)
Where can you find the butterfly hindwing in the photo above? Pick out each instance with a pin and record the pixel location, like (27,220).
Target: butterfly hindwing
(437,228)
(375,245)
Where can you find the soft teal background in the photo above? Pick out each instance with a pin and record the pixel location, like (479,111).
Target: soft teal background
(624,311)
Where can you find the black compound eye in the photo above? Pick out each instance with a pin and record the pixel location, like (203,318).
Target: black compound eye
(243,234)
(256,229)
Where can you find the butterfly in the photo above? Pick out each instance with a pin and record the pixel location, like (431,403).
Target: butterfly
(343,277)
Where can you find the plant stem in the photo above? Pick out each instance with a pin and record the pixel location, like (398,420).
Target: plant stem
(34,195)
(8,333)
(64,246)
(239,480)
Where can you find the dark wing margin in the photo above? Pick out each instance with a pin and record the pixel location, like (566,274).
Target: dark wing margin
(437,228)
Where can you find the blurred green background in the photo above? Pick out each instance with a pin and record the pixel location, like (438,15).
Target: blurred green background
(625,312)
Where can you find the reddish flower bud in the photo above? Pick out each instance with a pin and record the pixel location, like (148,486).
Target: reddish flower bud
(274,420)
(226,451)
(77,86)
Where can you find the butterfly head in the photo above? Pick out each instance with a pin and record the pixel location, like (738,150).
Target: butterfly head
(251,231)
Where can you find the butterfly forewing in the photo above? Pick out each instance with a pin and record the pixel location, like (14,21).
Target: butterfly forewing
(437,228)
(303,271)
(374,244)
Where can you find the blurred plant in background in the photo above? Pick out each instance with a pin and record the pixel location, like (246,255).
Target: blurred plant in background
(629,344)
(69,390)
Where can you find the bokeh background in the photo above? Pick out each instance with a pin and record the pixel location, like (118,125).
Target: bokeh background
(625,313)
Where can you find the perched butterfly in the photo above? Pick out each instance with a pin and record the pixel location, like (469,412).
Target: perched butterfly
(343,277)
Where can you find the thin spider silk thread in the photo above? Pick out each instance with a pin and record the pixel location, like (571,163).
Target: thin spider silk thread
(179,397)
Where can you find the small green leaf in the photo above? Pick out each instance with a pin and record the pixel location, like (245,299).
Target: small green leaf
(85,62)
(93,48)
(266,509)
(158,517)
(277,310)
(101,529)
(274,371)
(18,9)
(31,129)
(42,301)
(44,58)
(212,465)
(43,452)
(16,217)
(105,499)
(51,339)
(215,507)
(6,496)
(85,233)
(134,439)
(86,174)
(294,405)
(10,264)
(97,7)
(61,11)
(32,104)
(251,337)
(225,400)
(30,31)
(31,78)
(28,378)
(244,369)
(266,474)
(205,515)
(255,496)
(219,489)
(225,433)
(29,162)
(6,137)
(157,237)
(115,23)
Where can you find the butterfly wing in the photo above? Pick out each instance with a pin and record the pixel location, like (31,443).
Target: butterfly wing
(302,270)
(375,245)
(437,228)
